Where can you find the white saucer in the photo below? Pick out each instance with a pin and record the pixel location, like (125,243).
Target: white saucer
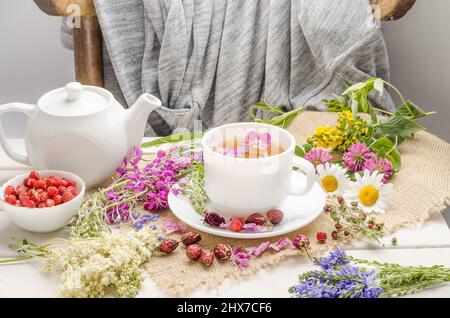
(298,212)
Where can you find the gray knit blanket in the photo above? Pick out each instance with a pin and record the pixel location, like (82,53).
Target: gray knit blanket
(209,60)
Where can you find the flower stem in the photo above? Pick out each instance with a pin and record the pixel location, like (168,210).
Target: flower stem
(126,200)
(11,260)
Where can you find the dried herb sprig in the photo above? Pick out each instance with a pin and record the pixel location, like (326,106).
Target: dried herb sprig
(351,221)
(192,186)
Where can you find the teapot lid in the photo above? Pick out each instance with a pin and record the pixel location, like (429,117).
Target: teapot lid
(75,100)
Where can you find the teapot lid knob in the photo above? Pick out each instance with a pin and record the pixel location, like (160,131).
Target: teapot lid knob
(73,91)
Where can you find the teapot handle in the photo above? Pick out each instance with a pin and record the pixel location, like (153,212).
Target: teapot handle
(14,107)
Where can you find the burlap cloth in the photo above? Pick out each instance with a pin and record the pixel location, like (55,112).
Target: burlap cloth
(421,188)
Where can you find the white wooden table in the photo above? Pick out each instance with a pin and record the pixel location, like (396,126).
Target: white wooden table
(428,244)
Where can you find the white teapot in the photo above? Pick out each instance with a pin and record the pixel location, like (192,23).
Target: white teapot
(80,129)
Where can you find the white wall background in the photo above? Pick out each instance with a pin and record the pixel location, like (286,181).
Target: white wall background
(32,59)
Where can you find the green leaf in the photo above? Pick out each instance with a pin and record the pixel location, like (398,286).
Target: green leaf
(410,110)
(171,139)
(398,125)
(355,106)
(285,119)
(302,151)
(307,147)
(336,105)
(282,119)
(384,147)
(354,88)
(299,151)
(263,107)
(378,84)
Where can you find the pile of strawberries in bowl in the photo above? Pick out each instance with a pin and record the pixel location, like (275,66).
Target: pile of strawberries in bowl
(41,192)
(42,201)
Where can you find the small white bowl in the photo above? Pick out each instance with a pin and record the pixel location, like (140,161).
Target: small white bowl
(43,220)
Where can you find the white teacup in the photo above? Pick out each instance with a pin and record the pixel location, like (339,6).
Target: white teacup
(238,187)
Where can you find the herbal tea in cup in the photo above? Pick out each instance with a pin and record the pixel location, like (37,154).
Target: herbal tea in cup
(253,145)
(249,168)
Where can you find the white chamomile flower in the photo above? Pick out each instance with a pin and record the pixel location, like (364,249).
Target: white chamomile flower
(332,178)
(370,192)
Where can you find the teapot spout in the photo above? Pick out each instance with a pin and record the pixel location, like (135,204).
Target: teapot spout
(136,118)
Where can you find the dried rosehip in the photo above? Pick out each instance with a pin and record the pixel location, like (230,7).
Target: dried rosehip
(207,258)
(237,225)
(168,246)
(190,238)
(334,235)
(275,216)
(256,218)
(193,252)
(214,219)
(223,251)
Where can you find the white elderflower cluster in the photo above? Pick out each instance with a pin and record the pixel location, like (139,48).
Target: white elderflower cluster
(109,262)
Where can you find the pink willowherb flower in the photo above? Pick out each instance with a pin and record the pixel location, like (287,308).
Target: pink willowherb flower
(356,157)
(381,165)
(318,156)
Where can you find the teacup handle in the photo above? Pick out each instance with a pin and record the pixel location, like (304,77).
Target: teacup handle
(310,172)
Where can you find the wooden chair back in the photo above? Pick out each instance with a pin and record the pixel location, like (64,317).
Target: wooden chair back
(87,39)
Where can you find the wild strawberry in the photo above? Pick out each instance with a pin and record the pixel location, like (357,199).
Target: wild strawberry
(256,218)
(40,184)
(193,252)
(190,238)
(28,203)
(43,196)
(10,190)
(321,237)
(49,182)
(62,190)
(64,182)
(31,183)
(71,183)
(52,191)
(236,225)
(168,246)
(58,199)
(223,251)
(53,182)
(72,190)
(49,203)
(23,197)
(41,205)
(21,189)
(34,175)
(34,197)
(67,196)
(207,258)
(275,216)
(11,199)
